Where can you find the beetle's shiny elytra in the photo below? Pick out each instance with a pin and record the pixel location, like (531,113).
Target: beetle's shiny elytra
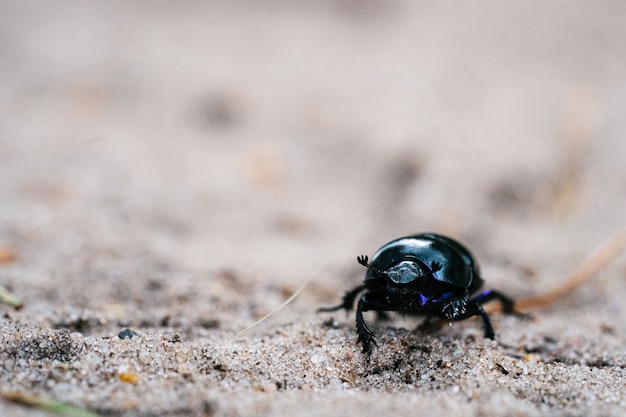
(424,274)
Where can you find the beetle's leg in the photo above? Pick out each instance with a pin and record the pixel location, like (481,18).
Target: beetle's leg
(365,334)
(491,295)
(367,302)
(456,307)
(347,303)
(488,328)
(474,308)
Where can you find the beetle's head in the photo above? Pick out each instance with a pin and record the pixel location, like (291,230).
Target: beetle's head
(411,271)
(405,273)
(408,273)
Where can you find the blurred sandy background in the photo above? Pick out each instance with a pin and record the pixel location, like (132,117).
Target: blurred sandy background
(181,168)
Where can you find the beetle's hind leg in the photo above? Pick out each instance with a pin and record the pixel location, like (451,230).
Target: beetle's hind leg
(347,303)
(508,305)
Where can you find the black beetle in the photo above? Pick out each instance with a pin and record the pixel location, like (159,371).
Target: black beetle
(424,274)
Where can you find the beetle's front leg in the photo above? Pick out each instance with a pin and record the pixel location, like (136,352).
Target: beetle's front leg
(367,302)
(365,334)
(456,307)
(475,308)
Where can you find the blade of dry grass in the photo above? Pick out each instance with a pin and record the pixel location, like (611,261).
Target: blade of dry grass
(7,297)
(48,404)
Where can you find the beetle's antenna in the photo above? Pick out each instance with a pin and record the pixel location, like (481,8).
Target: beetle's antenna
(363,261)
(606,251)
(302,286)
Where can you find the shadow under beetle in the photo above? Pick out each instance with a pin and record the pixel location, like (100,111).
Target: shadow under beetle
(423,274)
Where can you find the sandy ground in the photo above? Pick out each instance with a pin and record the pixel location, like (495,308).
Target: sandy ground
(181,169)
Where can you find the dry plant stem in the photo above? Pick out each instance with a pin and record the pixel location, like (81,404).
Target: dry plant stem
(598,258)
